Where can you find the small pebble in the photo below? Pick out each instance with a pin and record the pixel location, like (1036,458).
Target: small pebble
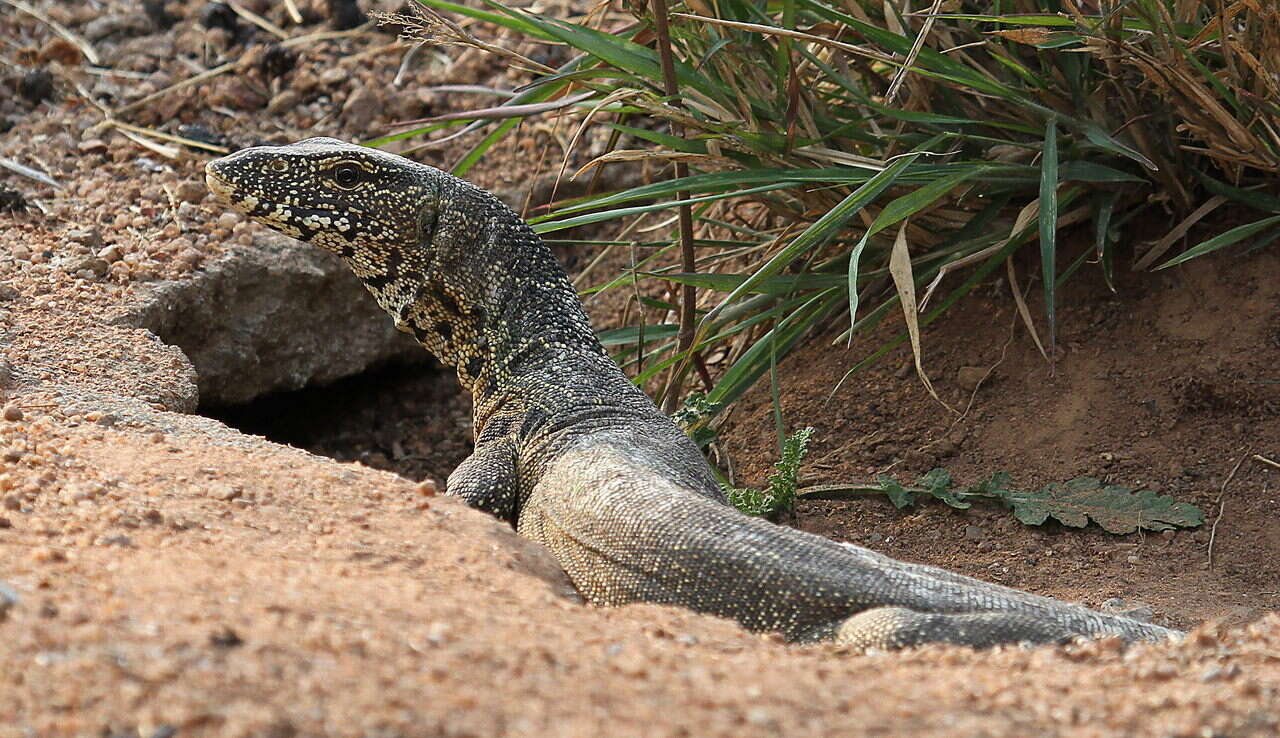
(8,598)
(428,488)
(92,146)
(190,191)
(47,555)
(969,377)
(60,50)
(158,14)
(362,108)
(346,14)
(12,412)
(36,86)
(761,717)
(225,637)
(277,61)
(1218,672)
(93,266)
(224,492)
(284,102)
(219,15)
(333,76)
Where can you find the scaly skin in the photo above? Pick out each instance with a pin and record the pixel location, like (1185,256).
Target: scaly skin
(570,452)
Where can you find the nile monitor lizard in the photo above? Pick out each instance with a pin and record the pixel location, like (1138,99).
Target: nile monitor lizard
(573,454)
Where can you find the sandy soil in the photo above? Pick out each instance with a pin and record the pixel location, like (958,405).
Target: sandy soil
(163,574)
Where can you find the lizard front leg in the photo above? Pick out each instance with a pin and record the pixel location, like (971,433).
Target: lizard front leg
(488,480)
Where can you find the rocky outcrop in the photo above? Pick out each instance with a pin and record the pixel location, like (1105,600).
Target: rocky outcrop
(273,316)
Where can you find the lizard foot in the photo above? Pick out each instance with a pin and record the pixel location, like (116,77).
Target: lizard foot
(487,479)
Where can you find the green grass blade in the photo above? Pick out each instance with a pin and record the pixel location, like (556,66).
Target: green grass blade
(470,158)
(755,361)
(779,285)
(902,207)
(550,226)
(1105,205)
(765,179)
(1235,235)
(631,334)
(384,140)
(1049,226)
(1251,198)
(617,51)
(1021,19)
(672,143)
(1087,171)
(823,228)
(1103,140)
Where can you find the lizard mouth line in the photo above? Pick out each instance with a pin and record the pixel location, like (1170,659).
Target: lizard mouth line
(222,189)
(267,210)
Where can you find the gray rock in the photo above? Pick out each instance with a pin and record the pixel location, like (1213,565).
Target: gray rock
(277,315)
(91,237)
(94,266)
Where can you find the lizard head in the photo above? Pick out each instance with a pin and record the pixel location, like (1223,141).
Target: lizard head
(358,202)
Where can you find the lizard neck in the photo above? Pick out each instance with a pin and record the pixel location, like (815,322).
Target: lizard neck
(483,294)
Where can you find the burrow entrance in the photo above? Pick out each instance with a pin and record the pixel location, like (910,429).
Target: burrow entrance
(410,419)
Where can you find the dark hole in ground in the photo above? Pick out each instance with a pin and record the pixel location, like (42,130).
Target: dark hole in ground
(411,420)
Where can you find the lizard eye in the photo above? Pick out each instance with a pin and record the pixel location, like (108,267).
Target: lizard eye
(280,165)
(346,176)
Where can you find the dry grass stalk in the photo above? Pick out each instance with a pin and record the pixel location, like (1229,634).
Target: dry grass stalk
(85,47)
(433,28)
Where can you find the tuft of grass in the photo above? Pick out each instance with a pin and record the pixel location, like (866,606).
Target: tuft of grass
(810,127)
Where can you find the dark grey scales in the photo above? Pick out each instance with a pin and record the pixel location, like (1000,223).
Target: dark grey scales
(570,452)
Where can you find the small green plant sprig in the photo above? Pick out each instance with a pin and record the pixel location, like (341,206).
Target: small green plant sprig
(780,495)
(1117,509)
